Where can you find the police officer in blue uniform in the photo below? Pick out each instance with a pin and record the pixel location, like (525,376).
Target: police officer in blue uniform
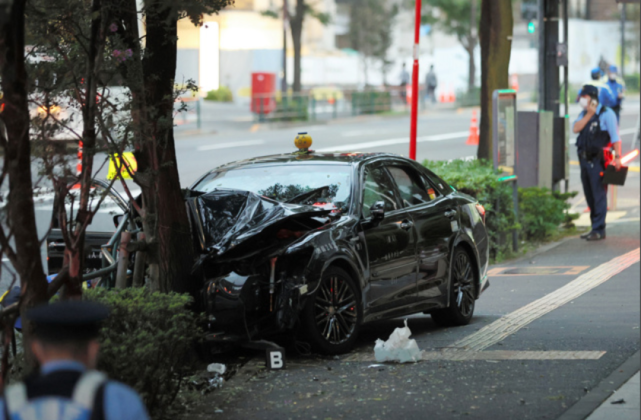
(605,96)
(67,387)
(598,129)
(617,88)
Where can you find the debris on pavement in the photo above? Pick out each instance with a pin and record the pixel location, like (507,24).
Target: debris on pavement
(398,348)
(217,368)
(621,401)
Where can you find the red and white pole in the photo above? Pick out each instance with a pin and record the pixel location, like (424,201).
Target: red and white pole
(413,121)
(79,163)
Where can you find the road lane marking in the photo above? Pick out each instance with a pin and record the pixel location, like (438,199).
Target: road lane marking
(627,131)
(389,142)
(231,145)
(630,168)
(536,271)
(491,355)
(513,322)
(512,355)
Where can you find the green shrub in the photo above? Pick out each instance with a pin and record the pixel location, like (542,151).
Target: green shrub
(469,97)
(632,82)
(478,179)
(291,108)
(222,94)
(542,211)
(147,342)
(371,102)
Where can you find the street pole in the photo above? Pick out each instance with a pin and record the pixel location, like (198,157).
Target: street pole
(413,121)
(283,83)
(622,38)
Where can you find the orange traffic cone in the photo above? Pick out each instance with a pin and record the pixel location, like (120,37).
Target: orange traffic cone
(441,98)
(473,139)
(451,98)
(514,82)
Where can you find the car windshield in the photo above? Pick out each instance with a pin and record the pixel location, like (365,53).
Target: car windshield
(325,186)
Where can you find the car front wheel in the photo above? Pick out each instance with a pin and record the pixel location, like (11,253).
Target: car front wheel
(462,300)
(332,315)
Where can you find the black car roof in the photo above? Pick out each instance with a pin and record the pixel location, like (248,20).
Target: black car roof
(307,158)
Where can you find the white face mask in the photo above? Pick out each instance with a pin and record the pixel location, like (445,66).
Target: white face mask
(583,102)
(613,77)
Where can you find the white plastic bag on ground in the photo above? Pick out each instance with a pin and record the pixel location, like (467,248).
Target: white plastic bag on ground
(398,347)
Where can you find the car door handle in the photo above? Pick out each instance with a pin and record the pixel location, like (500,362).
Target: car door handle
(407,224)
(450,213)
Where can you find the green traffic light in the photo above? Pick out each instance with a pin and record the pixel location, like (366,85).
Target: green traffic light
(531,28)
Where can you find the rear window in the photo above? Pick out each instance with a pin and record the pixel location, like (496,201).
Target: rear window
(326,186)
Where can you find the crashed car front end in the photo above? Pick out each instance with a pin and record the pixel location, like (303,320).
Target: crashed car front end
(258,260)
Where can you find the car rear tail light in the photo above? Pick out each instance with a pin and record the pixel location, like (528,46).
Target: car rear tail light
(481,211)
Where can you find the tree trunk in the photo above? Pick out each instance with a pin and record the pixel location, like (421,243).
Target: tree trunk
(296,24)
(165,206)
(17,160)
(73,288)
(496,44)
(471,45)
(471,67)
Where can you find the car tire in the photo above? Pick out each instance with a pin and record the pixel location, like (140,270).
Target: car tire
(462,296)
(332,315)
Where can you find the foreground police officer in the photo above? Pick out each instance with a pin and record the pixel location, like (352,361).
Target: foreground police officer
(598,129)
(67,387)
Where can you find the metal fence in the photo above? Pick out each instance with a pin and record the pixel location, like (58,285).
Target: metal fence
(190,115)
(326,104)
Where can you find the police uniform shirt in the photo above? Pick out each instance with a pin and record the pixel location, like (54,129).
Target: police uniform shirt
(615,88)
(120,402)
(607,121)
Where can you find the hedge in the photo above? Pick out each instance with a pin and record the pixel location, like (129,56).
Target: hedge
(147,343)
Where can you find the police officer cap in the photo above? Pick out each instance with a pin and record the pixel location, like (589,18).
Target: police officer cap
(68,320)
(591,91)
(595,71)
(613,68)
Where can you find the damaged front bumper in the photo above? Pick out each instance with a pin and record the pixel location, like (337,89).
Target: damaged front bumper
(255,261)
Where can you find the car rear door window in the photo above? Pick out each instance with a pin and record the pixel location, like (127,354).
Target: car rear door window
(378,186)
(412,189)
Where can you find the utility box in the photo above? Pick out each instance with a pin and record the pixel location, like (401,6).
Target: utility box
(535,146)
(263,93)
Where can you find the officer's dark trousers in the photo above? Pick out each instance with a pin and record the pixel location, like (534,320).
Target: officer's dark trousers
(596,194)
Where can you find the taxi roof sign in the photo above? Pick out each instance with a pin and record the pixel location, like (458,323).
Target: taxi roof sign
(303,142)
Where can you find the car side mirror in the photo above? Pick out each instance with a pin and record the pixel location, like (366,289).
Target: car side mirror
(378,210)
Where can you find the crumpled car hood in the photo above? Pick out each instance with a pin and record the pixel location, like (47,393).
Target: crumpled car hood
(230,224)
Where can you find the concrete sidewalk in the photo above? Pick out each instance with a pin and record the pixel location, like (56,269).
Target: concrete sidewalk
(614,409)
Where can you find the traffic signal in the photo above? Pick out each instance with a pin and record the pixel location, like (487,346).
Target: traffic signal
(531,27)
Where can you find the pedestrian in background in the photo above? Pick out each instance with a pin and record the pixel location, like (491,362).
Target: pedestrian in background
(67,387)
(617,89)
(405,80)
(431,82)
(598,130)
(605,97)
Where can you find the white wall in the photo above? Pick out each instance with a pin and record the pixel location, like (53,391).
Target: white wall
(588,42)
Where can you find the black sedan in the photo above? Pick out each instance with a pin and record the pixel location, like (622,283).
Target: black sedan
(318,244)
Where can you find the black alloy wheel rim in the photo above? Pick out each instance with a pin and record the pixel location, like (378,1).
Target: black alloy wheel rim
(463,276)
(335,310)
